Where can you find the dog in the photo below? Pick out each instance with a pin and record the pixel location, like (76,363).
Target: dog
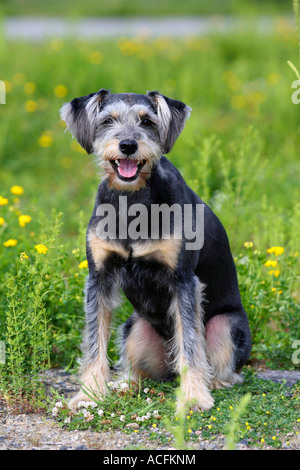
(188,319)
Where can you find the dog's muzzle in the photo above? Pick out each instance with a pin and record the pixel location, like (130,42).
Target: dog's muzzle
(127,167)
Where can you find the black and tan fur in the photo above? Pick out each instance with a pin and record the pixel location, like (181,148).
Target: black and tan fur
(188,318)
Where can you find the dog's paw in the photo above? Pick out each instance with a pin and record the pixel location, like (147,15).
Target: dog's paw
(81,399)
(202,402)
(75,402)
(227,382)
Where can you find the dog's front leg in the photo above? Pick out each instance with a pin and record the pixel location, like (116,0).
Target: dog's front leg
(101,299)
(189,351)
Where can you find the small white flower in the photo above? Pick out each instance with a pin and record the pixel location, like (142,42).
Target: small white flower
(114,385)
(146,390)
(149,400)
(67,420)
(112,415)
(124,386)
(122,418)
(83,404)
(54,411)
(59,404)
(155,412)
(87,416)
(100,412)
(148,415)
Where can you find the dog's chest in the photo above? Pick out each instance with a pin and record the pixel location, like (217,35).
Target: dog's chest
(164,252)
(144,270)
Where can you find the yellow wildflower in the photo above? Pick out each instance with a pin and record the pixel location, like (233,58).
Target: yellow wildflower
(274,273)
(31,106)
(83,264)
(23,255)
(248,244)
(42,249)
(24,219)
(46,139)
(17,190)
(262,440)
(2,221)
(271,263)
(277,250)
(10,242)
(61,91)
(3,201)
(127,47)
(189,431)
(274,438)
(96,57)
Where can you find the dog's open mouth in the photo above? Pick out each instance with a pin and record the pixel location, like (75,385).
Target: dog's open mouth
(127,168)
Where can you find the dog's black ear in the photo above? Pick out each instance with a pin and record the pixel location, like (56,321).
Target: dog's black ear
(80,116)
(172,115)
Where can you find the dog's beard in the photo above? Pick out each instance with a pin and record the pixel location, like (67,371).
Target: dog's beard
(128,173)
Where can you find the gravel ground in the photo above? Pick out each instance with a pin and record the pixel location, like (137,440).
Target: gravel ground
(38,431)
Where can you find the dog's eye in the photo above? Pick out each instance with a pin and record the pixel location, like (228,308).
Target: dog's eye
(146,122)
(108,121)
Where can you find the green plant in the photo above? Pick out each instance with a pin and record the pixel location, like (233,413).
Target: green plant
(233,426)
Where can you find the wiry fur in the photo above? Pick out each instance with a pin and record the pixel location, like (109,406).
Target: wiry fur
(188,318)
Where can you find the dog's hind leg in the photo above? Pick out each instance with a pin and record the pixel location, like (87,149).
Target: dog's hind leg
(228,345)
(144,351)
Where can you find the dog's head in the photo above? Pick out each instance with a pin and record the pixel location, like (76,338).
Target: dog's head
(128,132)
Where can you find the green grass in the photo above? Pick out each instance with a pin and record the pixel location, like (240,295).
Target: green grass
(260,412)
(239,152)
(76,8)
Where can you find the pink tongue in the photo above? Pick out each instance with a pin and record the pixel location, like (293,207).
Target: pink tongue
(127,167)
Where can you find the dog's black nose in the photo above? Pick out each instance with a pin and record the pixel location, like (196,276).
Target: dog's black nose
(128,146)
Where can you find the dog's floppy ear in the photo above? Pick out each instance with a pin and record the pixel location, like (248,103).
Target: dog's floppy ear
(172,115)
(80,116)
